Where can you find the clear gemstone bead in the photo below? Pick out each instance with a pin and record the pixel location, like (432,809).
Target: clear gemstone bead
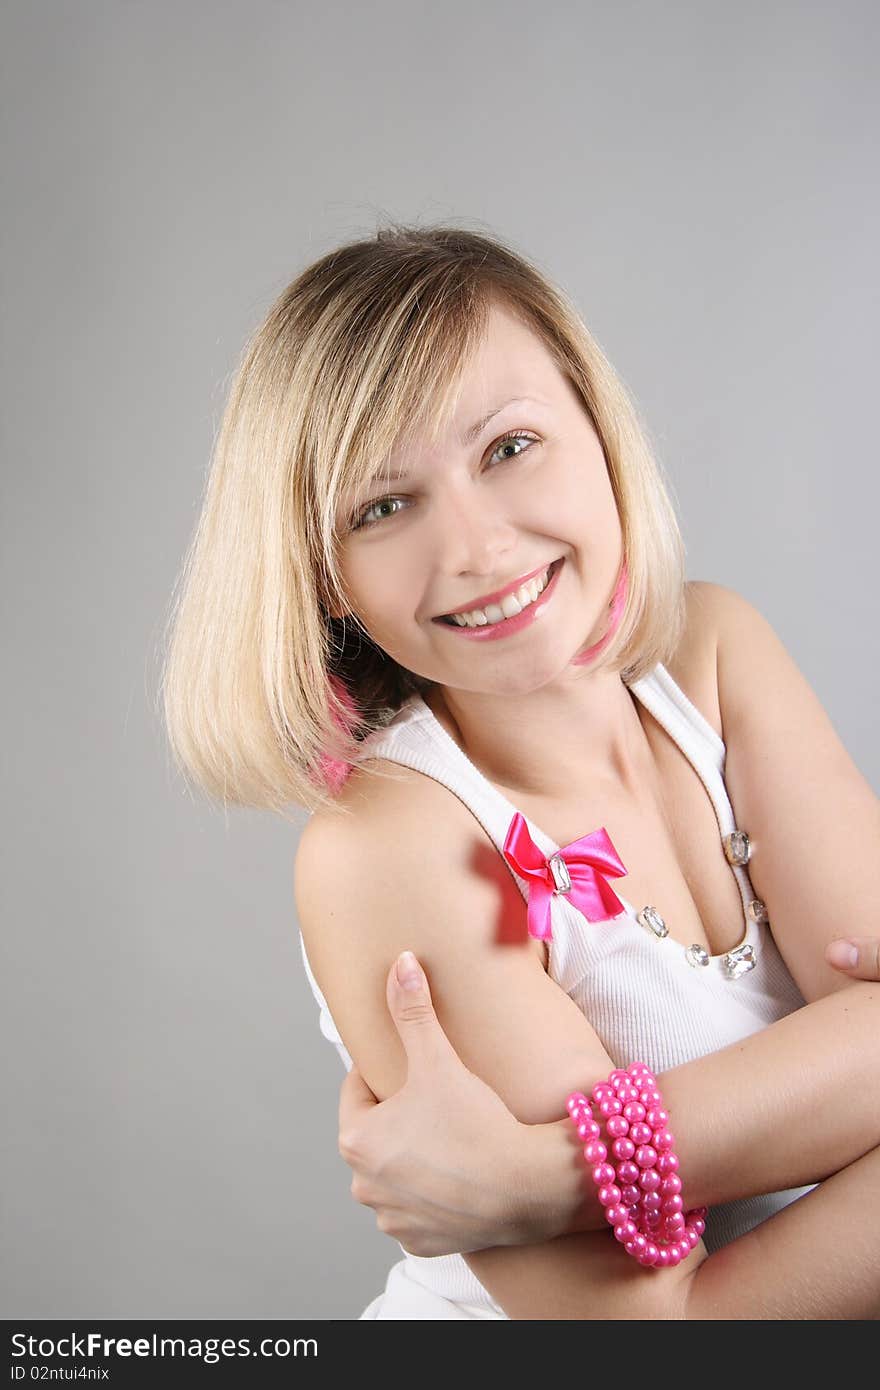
(758,910)
(737,848)
(561,876)
(649,917)
(740,960)
(697,954)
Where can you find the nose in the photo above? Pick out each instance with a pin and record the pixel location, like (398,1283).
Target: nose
(475,535)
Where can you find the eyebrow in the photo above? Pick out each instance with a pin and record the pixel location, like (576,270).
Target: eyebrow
(470,434)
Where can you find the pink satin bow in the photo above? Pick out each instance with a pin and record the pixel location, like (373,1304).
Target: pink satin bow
(585,862)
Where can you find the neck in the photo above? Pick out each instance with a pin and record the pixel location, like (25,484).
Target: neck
(584,727)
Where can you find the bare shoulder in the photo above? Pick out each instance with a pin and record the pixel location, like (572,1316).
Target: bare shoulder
(725,622)
(403,865)
(713,664)
(694,667)
(376,813)
(383,800)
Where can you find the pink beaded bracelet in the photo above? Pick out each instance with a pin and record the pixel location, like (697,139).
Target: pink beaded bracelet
(642,1195)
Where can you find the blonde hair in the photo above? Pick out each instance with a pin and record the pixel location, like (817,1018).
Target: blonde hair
(267,698)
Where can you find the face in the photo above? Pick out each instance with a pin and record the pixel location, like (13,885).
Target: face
(472,515)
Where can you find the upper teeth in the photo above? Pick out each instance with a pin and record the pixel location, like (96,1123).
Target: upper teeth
(509,606)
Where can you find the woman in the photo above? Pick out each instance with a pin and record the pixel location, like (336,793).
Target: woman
(437,556)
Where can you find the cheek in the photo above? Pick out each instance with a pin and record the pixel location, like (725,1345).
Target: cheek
(578,511)
(379,587)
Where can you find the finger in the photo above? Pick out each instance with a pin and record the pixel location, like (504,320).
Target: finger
(411,1007)
(858,956)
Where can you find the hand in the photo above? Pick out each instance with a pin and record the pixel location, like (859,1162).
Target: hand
(867,963)
(437,1161)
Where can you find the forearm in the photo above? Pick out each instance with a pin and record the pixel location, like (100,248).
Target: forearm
(790,1105)
(787,1106)
(819,1257)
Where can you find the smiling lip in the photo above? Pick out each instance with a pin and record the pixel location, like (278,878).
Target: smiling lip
(495,597)
(491,632)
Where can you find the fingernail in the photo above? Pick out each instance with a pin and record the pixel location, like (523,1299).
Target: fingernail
(843,953)
(409,973)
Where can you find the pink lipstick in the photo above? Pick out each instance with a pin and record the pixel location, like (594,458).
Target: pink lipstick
(508,627)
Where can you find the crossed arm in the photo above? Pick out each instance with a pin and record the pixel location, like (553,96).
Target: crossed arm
(820,1062)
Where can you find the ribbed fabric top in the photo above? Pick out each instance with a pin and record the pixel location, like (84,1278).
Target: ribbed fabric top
(641,994)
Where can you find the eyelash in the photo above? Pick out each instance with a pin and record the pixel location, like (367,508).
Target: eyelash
(359,524)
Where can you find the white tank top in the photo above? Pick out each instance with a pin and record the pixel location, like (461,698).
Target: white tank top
(646,996)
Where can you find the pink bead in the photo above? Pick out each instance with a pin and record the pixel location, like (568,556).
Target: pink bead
(637,1245)
(628,1093)
(610,1105)
(643,1197)
(588,1129)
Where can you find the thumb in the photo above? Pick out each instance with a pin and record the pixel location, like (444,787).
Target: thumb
(856,956)
(411,1007)
(355,1099)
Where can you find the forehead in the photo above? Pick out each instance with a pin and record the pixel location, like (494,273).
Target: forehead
(510,356)
(511,361)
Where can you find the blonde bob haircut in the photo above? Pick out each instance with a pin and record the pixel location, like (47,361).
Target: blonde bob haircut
(267,698)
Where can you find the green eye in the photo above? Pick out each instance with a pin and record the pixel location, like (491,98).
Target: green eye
(361,521)
(509,438)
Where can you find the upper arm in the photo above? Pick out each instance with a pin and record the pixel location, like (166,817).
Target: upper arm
(372,885)
(813,820)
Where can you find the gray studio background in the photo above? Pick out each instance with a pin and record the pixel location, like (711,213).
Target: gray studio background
(701,177)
